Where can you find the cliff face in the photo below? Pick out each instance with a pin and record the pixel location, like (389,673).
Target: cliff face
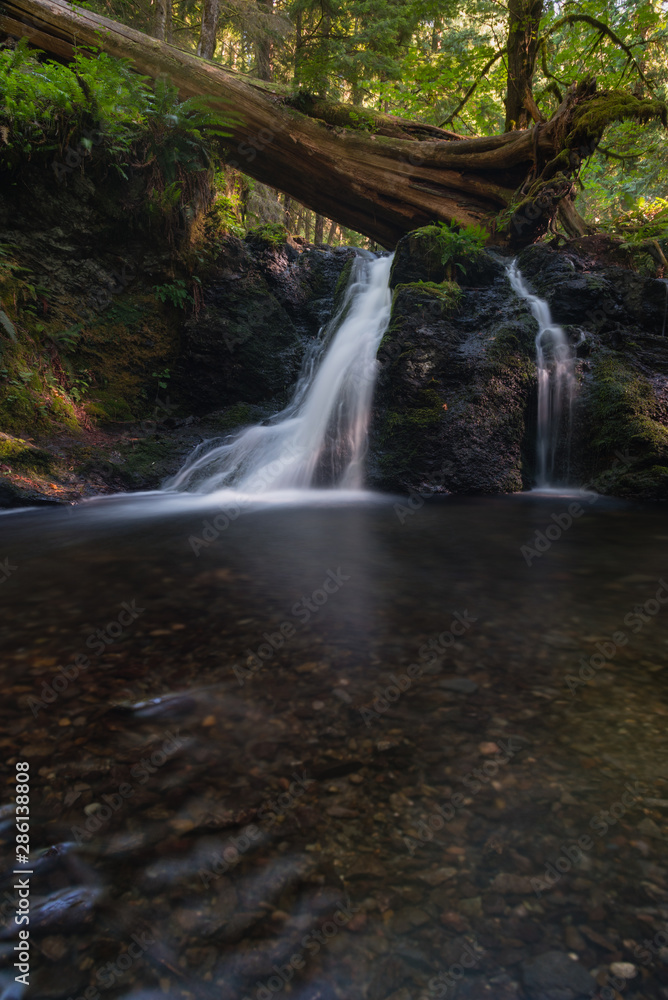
(455,407)
(127,336)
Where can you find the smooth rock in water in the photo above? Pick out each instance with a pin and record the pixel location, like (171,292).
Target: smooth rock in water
(649,828)
(625,970)
(460,684)
(556,976)
(61,911)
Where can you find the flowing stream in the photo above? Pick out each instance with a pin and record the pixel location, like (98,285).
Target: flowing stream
(319,439)
(555,363)
(331,753)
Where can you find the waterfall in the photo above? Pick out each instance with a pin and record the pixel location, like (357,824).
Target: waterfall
(319,439)
(555,364)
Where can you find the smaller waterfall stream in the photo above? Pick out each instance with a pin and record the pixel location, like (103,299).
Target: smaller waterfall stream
(555,363)
(319,439)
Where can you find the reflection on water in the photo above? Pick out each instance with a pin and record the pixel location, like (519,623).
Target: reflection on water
(340,750)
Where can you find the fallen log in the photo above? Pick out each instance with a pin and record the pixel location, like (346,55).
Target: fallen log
(378,174)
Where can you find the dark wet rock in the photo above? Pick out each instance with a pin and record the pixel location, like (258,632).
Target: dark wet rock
(455,406)
(15,495)
(463,685)
(456,380)
(555,976)
(260,303)
(509,884)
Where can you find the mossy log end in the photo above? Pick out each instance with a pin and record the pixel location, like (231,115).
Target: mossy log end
(377,174)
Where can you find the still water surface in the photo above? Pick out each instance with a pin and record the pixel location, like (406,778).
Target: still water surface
(338,750)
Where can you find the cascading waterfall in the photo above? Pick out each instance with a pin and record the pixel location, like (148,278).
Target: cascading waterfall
(555,363)
(319,439)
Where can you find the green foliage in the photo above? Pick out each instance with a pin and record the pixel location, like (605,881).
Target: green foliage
(271,233)
(176,293)
(163,377)
(225,213)
(646,221)
(97,114)
(419,58)
(454,244)
(67,340)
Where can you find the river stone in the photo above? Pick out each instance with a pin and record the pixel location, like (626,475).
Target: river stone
(463,685)
(555,976)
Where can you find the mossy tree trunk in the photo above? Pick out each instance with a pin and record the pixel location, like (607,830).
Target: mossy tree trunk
(374,173)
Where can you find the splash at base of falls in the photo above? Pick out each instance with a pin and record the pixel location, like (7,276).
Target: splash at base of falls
(555,364)
(319,439)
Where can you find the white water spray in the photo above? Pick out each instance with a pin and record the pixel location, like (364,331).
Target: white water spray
(555,363)
(319,439)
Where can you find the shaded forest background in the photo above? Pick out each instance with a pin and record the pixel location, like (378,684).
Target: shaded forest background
(445,64)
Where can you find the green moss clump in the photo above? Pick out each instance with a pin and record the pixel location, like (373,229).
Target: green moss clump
(448,292)
(623,417)
(238,415)
(426,411)
(342,283)
(622,407)
(599,110)
(20,454)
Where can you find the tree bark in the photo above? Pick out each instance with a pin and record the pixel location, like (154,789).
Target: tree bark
(319,233)
(523,28)
(207,40)
(287,212)
(377,174)
(263,46)
(163,19)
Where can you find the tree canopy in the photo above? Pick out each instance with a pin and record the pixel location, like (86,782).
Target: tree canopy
(477,68)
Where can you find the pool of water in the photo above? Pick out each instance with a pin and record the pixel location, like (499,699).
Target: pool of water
(353,749)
